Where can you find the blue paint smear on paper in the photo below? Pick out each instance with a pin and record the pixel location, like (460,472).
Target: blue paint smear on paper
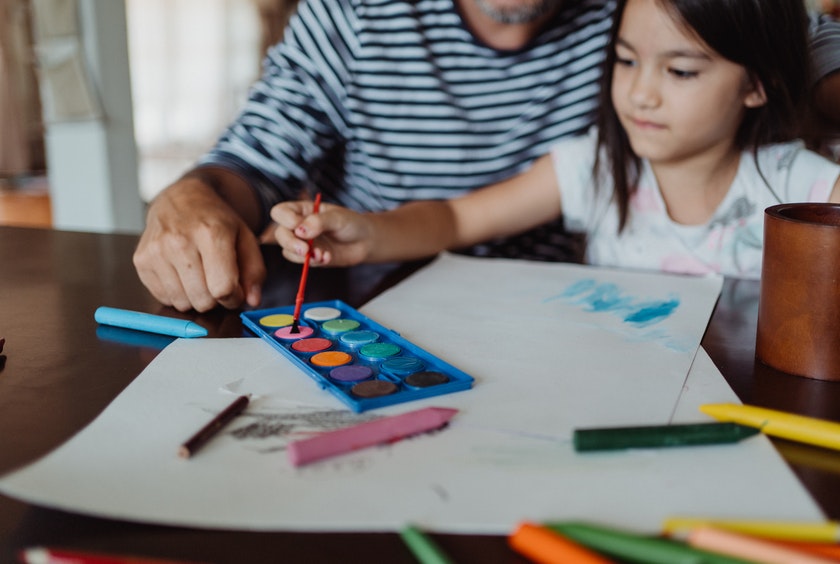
(608,297)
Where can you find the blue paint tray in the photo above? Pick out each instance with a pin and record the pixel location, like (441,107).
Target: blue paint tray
(355,358)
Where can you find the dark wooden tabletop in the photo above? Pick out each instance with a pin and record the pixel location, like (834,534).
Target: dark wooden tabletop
(60,372)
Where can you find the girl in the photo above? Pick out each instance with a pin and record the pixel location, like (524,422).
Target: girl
(700,102)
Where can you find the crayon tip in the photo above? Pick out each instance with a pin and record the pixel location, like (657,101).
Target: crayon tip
(445,413)
(192,330)
(743,431)
(720,411)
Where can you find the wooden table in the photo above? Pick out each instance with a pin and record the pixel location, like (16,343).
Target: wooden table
(60,374)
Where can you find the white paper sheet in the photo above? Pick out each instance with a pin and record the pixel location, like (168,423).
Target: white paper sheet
(588,346)
(506,456)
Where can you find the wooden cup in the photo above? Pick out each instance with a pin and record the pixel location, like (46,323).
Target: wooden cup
(799,303)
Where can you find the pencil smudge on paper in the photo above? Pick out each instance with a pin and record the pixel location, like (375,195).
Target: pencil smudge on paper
(275,429)
(440,491)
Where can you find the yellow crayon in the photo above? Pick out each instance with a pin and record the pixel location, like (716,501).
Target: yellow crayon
(780,424)
(801,531)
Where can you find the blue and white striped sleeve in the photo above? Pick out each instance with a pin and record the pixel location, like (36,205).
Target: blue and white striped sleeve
(293,115)
(825,44)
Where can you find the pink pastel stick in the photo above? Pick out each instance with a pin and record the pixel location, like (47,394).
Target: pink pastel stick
(371,433)
(743,546)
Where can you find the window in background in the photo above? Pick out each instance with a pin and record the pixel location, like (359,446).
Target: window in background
(192,62)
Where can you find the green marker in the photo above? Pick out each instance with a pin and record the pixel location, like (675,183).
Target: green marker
(636,548)
(614,438)
(423,547)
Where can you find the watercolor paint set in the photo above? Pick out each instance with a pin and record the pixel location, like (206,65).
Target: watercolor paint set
(363,363)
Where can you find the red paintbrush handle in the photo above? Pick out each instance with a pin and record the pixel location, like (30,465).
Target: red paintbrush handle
(305,272)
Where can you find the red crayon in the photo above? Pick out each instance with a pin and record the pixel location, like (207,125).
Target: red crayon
(42,555)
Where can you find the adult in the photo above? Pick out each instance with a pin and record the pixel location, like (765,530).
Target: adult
(375,103)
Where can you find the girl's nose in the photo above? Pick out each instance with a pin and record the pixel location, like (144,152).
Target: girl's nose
(644,91)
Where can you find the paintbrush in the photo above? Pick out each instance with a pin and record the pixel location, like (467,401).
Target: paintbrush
(303,275)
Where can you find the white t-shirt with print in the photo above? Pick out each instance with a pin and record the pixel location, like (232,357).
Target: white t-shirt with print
(730,243)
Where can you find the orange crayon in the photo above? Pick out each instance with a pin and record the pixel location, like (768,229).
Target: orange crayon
(824,549)
(547,547)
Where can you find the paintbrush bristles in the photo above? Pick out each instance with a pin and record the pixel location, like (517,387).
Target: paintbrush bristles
(303,276)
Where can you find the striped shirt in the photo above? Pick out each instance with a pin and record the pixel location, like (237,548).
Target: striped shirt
(825,44)
(379,102)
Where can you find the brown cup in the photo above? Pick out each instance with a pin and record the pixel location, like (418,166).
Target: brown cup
(799,303)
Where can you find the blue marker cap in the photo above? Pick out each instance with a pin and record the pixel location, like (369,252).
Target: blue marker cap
(148,322)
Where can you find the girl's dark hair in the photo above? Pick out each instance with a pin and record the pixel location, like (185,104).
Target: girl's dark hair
(769,38)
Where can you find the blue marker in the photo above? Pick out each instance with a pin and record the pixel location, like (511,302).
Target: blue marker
(148,322)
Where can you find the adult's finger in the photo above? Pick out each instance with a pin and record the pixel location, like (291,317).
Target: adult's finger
(252,270)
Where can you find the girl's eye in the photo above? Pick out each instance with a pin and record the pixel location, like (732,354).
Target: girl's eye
(683,74)
(624,61)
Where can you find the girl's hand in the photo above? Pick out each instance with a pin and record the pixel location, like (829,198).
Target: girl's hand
(339,236)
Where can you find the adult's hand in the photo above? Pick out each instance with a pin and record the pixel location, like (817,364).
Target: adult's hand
(198,250)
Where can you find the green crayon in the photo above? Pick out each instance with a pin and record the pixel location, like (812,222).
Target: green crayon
(637,548)
(615,438)
(423,547)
